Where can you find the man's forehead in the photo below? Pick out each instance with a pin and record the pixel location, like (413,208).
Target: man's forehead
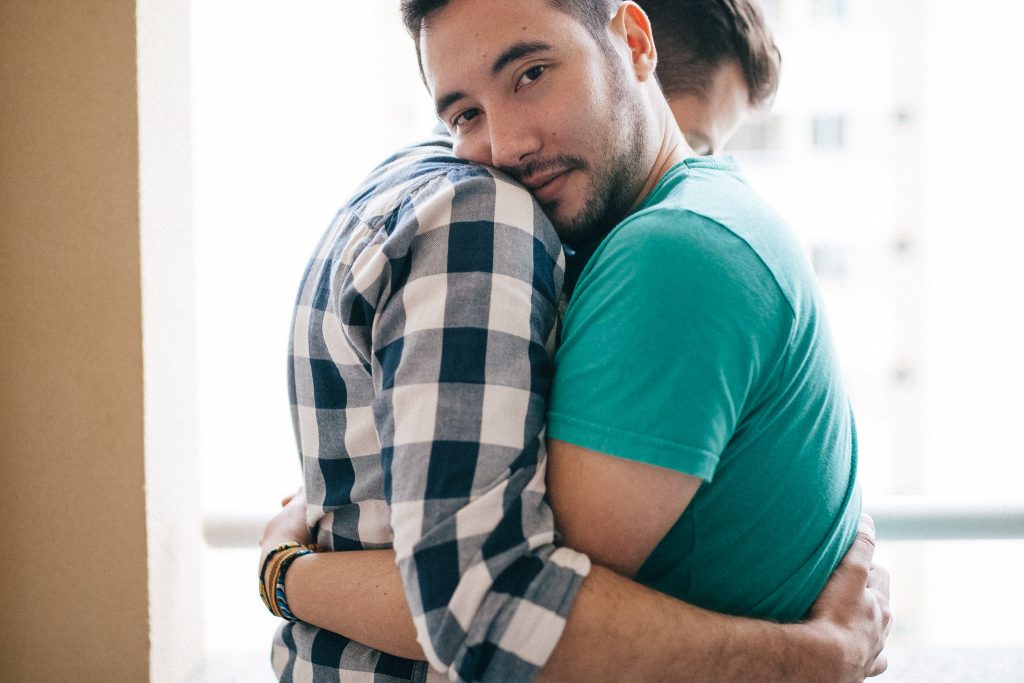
(505,13)
(467,38)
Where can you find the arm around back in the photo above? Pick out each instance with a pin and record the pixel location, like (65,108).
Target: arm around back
(618,630)
(461,349)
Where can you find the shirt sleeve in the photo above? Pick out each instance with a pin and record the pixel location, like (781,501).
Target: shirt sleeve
(462,342)
(672,326)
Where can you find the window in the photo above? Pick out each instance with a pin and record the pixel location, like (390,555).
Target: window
(828,131)
(762,133)
(917,295)
(289,116)
(829,261)
(914,239)
(830,8)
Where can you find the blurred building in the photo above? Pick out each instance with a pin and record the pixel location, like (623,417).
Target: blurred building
(839,156)
(891,149)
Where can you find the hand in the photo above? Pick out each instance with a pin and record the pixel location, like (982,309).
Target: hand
(287,526)
(855,606)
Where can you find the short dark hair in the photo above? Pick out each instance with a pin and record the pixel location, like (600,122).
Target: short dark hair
(593,14)
(694,37)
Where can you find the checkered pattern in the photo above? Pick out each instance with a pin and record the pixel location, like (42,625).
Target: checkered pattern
(420,365)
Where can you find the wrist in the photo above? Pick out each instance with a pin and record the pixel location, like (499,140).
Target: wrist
(293,584)
(269,543)
(819,653)
(273,572)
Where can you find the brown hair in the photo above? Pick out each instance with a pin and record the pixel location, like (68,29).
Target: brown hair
(694,37)
(593,14)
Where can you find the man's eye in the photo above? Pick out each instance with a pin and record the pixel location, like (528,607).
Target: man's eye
(530,75)
(465,117)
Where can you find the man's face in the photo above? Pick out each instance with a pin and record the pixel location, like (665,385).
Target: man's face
(526,88)
(709,120)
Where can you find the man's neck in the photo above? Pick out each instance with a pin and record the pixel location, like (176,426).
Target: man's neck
(672,148)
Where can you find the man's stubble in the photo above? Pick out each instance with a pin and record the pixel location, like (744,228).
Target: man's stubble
(618,178)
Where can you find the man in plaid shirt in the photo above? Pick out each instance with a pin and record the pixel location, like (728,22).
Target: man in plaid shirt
(420,363)
(421,359)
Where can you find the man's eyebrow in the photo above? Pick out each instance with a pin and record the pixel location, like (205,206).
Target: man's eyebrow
(511,54)
(442,103)
(517,51)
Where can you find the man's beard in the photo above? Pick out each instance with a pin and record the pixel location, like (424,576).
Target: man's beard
(612,192)
(614,187)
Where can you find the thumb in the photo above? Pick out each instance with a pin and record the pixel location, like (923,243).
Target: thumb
(291,496)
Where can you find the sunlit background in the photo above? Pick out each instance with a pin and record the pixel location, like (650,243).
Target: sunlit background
(893,147)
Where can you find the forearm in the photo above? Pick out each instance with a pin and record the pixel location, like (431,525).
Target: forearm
(619,630)
(356,594)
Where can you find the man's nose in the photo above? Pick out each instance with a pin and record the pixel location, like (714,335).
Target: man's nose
(513,139)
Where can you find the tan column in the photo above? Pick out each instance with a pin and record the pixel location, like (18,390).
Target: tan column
(73,513)
(73,528)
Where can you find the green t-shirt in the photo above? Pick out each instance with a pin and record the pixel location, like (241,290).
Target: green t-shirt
(696,340)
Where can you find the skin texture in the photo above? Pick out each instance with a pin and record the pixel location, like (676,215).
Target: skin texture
(649,500)
(586,174)
(617,629)
(709,120)
(512,114)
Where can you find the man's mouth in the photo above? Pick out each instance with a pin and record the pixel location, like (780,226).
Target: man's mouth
(547,186)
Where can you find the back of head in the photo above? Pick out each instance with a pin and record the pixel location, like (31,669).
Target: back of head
(694,37)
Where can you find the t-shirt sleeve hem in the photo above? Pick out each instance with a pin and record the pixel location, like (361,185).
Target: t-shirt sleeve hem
(643,448)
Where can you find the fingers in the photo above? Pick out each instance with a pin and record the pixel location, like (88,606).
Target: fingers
(866,530)
(291,496)
(886,616)
(858,558)
(879,666)
(878,580)
(878,585)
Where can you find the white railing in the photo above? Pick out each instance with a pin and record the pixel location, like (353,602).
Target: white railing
(929,519)
(896,519)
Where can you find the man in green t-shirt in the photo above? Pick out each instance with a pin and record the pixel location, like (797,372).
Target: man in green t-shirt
(698,423)
(694,345)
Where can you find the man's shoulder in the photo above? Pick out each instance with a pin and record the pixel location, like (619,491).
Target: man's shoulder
(429,171)
(708,214)
(713,188)
(713,227)
(425,211)
(681,245)
(676,236)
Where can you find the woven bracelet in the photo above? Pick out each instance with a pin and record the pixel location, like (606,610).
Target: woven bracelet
(280,599)
(265,588)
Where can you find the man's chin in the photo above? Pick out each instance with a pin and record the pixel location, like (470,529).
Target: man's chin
(579,226)
(575,233)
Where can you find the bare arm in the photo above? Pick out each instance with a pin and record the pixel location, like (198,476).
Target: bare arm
(357,594)
(648,501)
(618,629)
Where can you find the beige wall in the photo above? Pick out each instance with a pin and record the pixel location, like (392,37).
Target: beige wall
(73,526)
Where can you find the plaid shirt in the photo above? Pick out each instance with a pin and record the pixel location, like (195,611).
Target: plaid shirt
(421,358)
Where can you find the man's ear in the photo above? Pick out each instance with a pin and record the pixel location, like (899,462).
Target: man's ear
(631,25)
